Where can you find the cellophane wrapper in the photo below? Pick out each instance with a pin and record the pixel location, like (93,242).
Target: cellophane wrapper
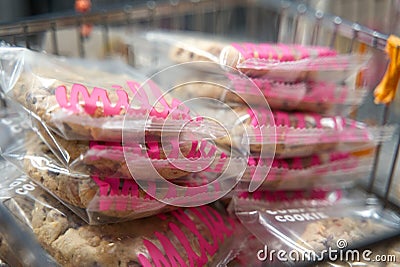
(91,100)
(306,228)
(203,236)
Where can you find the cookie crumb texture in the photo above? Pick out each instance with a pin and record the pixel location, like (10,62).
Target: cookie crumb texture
(83,194)
(180,238)
(324,234)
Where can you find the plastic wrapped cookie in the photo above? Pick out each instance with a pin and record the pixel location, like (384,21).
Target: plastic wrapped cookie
(203,236)
(98,198)
(326,170)
(298,134)
(170,159)
(311,225)
(86,100)
(281,62)
(185,234)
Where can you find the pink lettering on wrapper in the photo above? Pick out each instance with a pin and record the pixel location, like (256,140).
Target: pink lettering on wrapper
(281,52)
(90,100)
(169,255)
(81,100)
(282,119)
(309,92)
(325,164)
(112,190)
(156,255)
(202,149)
(158,107)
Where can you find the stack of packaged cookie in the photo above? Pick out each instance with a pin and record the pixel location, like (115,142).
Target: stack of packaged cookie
(110,143)
(292,103)
(129,155)
(305,155)
(112,164)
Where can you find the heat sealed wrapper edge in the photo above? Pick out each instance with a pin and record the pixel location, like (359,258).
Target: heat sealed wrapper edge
(281,62)
(204,236)
(310,226)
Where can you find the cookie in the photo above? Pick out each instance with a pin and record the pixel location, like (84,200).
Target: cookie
(196,50)
(82,104)
(7,257)
(108,159)
(292,138)
(394,249)
(233,55)
(185,236)
(195,236)
(307,172)
(97,199)
(324,234)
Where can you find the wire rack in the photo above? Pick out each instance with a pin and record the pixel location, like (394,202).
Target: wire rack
(269,20)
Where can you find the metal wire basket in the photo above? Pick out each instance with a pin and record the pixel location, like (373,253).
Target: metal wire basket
(273,21)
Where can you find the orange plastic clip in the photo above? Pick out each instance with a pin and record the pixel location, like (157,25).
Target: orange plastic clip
(362,49)
(386,90)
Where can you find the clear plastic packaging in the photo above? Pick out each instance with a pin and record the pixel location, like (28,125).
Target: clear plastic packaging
(205,163)
(170,159)
(302,134)
(203,236)
(381,255)
(105,101)
(99,198)
(77,190)
(88,100)
(323,97)
(304,228)
(329,170)
(281,62)
(253,248)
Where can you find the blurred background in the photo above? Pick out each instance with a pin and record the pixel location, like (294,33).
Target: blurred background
(377,14)
(13,10)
